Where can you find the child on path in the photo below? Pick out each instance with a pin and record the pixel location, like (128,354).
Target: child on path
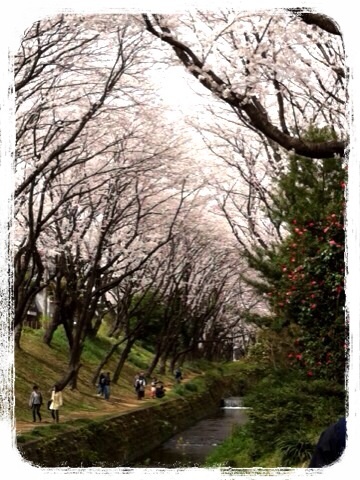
(35,403)
(153,387)
(56,403)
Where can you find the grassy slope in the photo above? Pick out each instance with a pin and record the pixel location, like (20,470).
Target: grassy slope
(36,363)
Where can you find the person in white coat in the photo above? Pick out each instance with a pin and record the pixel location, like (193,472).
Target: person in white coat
(56,403)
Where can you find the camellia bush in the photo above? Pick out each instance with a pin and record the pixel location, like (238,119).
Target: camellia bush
(303,276)
(312,295)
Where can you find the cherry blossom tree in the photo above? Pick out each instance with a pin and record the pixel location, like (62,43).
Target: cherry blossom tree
(279,71)
(72,74)
(244,166)
(62,92)
(114,213)
(202,277)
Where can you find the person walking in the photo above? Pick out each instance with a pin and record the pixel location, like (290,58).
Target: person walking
(178,375)
(101,384)
(106,389)
(56,403)
(140,385)
(35,403)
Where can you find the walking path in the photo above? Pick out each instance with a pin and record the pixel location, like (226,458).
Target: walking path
(106,407)
(115,405)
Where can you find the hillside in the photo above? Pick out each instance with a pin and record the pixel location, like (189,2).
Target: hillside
(36,363)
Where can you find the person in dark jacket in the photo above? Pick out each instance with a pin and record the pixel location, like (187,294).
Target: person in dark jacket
(178,375)
(106,389)
(330,446)
(101,384)
(160,390)
(35,403)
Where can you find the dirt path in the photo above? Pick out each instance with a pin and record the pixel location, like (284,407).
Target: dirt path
(113,406)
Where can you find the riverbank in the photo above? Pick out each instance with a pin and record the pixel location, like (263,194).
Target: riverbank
(121,439)
(43,365)
(191,447)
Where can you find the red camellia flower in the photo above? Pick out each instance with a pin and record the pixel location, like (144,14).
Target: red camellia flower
(313,305)
(299,356)
(310,373)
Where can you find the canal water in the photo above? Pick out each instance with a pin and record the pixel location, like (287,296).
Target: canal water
(190,447)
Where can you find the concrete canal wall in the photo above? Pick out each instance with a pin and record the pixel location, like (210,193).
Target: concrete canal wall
(119,440)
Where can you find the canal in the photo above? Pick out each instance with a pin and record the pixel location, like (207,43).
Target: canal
(190,447)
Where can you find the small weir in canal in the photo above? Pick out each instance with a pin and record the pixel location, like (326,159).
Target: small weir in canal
(190,447)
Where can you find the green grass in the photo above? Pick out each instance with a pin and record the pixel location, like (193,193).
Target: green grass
(288,413)
(37,363)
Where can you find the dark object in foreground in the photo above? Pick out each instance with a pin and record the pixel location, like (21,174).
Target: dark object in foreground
(330,446)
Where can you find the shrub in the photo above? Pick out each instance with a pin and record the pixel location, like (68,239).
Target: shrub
(284,407)
(295,449)
(179,390)
(192,387)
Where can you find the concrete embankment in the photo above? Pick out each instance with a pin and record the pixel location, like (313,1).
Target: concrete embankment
(122,439)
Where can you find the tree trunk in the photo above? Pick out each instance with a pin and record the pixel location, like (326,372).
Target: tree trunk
(52,326)
(162,366)
(153,364)
(104,361)
(70,378)
(123,357)
(17,335)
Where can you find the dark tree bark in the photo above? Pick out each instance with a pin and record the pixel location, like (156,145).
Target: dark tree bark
(245,106)
(123,357)
(317,19)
